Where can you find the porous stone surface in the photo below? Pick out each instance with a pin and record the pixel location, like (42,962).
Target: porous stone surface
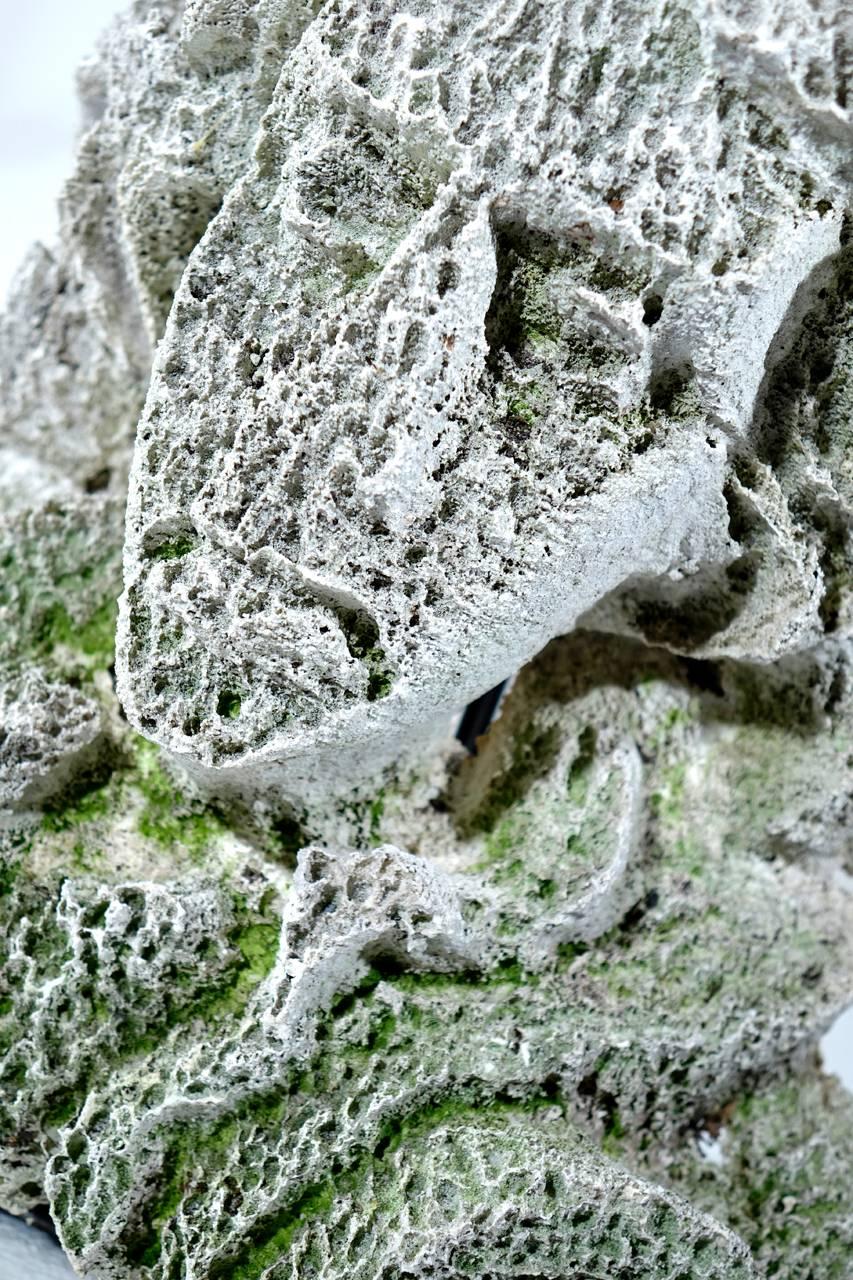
(60,575)
(258,1055)
(479,338)
(797,1216)
(47,730)
(170,105)
(495,340)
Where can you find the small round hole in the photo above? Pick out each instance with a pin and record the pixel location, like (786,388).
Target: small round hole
(652,308)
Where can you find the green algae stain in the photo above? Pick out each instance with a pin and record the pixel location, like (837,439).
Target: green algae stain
(534,751)
(668,801)
(9,872)
(315,1202)
(275,1236)
(258,945)
(166,816)
(364,817)
(93,639)
(48,944)
(63,1106)
(135,783)
(90,799)
(197,999)
(500,850)
(377,809)
(175,548)
(145,1249)
(229,704)
(84,858)
(578,779)
(380,681)
(614,1132)
(197,1151)
(361,634)
(519,407)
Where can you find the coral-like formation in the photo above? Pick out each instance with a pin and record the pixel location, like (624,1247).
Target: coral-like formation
(444,371)
(170,107)
(492,340)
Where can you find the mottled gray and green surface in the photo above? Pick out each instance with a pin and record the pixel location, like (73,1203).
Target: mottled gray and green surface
(494,340)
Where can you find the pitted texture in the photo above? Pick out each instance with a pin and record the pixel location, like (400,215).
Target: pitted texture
(492,1193)
(47,731)
(800,1134)
(465,349)
(60,575)
(239,1085)
(169,118)
(481,323)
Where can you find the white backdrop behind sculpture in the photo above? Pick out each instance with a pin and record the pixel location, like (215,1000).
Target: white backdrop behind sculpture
(39,119)
(42,46)
(29,1254)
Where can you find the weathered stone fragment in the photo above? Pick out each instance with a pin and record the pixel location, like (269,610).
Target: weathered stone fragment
(247,1083)
(498,339)
(781,1177)
(48,732)
(60,575)
(170,106)
(474,342)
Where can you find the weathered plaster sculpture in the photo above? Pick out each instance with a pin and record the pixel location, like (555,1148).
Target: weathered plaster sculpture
(475,341)
(492,340)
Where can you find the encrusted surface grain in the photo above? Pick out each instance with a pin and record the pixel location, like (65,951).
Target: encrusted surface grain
(495,339)
(443,372)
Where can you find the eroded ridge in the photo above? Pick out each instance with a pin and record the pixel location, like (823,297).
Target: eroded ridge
(612,929)
(497,340)
(475,340)
(170,105)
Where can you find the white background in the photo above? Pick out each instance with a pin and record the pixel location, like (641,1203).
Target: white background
(43,42)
